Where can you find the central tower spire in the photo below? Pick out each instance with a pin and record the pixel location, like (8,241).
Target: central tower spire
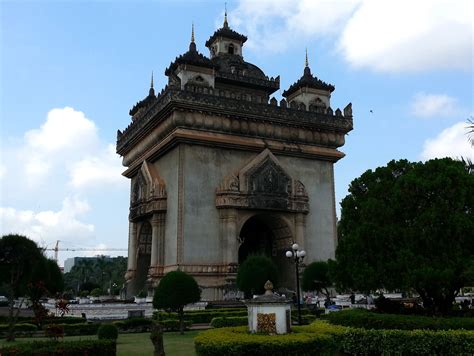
(226,24)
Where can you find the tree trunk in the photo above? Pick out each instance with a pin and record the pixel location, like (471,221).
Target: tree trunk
(157,339)
(181,320)
(11,321)
(12,318)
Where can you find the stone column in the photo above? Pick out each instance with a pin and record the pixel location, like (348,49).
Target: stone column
(155,240)
(161,244)
(228,231)
(299,230)
(232,243)
(132,250)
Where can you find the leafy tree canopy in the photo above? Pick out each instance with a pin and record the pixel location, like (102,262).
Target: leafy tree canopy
(409,226)
(317,277)
(91,273)
(254,272)
(24,270)
(175,290)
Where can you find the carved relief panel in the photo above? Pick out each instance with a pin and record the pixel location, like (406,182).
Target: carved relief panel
(263,184)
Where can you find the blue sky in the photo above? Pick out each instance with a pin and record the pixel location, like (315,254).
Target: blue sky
(71,70)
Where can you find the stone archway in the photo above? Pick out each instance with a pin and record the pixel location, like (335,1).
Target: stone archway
(143,253)
(269,235)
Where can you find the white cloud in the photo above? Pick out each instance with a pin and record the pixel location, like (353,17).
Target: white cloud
(64,129)
(410,35)
(102,169)
(64,137)
(434,105)
(389,36)
(67,143)
(273,25)
(451,142)
(45,227)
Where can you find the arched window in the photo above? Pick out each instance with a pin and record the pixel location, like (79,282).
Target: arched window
(231,49)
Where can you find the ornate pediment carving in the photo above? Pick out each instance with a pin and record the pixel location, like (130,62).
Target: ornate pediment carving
(148,192)
(262,184)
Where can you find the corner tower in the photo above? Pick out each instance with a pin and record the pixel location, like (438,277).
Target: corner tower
(220,170)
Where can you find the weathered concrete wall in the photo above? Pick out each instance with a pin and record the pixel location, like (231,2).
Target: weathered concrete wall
(204,169)
(320,233)
(167,168)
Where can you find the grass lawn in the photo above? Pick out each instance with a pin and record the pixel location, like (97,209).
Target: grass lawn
(139,344)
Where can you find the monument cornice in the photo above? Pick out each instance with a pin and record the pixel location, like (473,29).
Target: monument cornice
(209,101)
(229,141)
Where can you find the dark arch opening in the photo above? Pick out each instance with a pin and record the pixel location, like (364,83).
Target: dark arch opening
(257,239)
(231,49)
(268,235)
(143,256)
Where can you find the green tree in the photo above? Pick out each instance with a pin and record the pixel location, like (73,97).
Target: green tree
(176,289)
(20,258)
(46,280)
(409,226)
(317,277)
(100,273)
(254,272)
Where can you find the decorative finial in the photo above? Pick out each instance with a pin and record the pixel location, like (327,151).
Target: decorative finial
(226,24)
(152,90)
(192,44)
(268,287)
(307,70)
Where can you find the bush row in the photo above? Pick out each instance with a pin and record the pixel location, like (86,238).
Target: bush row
(30,320)
(222,322)
(323,338)
(20,327)
(75,329)
(134,323)
(237,341)
(406,342)
(70,348)
(201,317)
(361,318)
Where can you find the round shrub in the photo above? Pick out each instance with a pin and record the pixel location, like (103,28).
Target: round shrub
(107,332)
(254,272)
(96,292)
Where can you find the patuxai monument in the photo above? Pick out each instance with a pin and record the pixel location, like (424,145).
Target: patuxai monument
(219,169)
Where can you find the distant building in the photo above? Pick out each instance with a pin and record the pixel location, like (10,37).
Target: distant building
(220,170)
(71,262)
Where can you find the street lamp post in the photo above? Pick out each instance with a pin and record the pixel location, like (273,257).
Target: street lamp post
(297,255)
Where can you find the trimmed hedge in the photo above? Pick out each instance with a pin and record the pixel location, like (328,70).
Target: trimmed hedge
(323,338)
(173,325)
(235,341)
(361,318)
(79,329)
(55,320)
(70,348)
(201,316)
(135,324)
(20,327)
(107,332)
(407,342)
(222,322)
